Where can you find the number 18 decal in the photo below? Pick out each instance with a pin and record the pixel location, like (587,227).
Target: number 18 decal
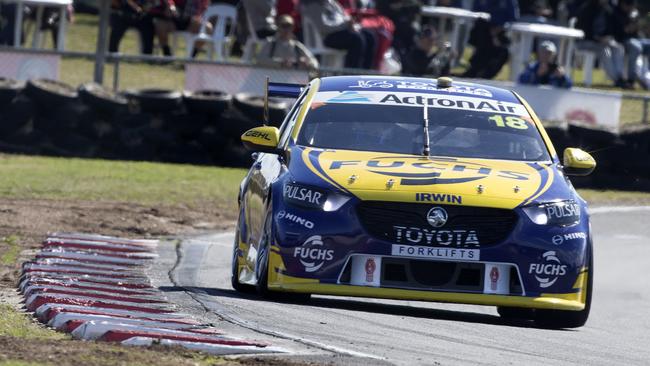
(509,121)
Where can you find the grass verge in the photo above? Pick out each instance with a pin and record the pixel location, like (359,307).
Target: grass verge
(9,250)
(104,180)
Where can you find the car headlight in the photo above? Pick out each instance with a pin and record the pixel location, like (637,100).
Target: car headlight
(310,197)
(562,213)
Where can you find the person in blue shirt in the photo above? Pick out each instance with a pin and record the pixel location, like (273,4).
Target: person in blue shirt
(545,71)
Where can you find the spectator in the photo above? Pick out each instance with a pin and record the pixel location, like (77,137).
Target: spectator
(7,23)
(545,71)
(595,18)
(261,14)
(339,31)
(534,11)
(405,15)
(132,13)
(180,15)
(489,38)
(425,59)
(380,26)
(626,28)
(284,50)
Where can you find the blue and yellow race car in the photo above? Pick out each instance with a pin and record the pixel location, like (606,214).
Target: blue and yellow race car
(419,189)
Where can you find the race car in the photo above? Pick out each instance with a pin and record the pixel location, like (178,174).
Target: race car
(417,189)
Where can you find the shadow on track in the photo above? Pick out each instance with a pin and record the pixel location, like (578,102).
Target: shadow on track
(371,307)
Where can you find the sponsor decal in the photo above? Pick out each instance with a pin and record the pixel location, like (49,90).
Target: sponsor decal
(258,134)
(437,217)
(430,172)
(421,85)
(559,239)
(349,97)
(432,100)
(438,197)
(370,269)
(312,254)
(303,195)
(429,252)
(494,278)
(570,210)
(295,218)
(424,236)
(549,271)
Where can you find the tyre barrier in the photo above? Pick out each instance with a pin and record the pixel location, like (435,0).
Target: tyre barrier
(204,127)
(95,288)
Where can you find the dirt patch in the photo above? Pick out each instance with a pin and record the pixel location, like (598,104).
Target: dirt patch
(73,353)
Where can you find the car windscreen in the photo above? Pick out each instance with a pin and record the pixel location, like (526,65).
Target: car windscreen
(400,129)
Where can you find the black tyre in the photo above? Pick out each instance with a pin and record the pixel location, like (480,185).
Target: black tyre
(234,123)
(9,90)
(16,115)
(50,93)
(102,99)
(208,102)
(234,272)
(569,319)
(253,108)
(155,100)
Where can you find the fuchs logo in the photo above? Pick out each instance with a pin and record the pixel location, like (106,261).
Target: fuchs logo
(423,236)
(437,217)
(312,255)
(427,172)
(548,272)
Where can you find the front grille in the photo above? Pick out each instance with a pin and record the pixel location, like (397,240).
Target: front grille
(491,225)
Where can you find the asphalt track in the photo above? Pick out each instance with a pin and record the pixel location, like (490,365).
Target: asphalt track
(196,273)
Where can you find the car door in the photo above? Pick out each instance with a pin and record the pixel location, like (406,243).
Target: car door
(265,170)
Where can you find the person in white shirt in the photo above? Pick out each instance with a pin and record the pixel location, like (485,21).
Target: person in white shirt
(284,50)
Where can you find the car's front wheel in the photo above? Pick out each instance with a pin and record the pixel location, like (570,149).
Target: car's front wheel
(234,275)
(568,319)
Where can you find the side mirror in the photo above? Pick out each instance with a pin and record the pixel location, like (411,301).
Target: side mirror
(578,162)
(262,139)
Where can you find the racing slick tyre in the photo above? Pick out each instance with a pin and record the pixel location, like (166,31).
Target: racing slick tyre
(9,89)
(155,100)
(253,108)
(234,273)
(568,319)
(50,93)
(209,102)
(98,97)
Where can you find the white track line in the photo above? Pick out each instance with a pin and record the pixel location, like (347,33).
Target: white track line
(611,209)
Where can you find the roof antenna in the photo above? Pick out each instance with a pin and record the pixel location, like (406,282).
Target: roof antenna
(427,150)
(266,102)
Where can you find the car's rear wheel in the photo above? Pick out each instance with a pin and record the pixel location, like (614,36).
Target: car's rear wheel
(234,276)
(569,319)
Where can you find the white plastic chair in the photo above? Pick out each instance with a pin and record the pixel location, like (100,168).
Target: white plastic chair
(252,41)
(329,57)
(219,41)
(586,57)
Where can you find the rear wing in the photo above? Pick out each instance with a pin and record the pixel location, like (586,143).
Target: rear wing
(285,90)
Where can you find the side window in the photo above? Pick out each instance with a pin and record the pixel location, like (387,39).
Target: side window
(287,126)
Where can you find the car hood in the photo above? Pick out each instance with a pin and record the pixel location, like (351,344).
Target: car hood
(442,180)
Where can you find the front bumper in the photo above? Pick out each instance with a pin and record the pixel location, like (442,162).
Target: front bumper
(572,301)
